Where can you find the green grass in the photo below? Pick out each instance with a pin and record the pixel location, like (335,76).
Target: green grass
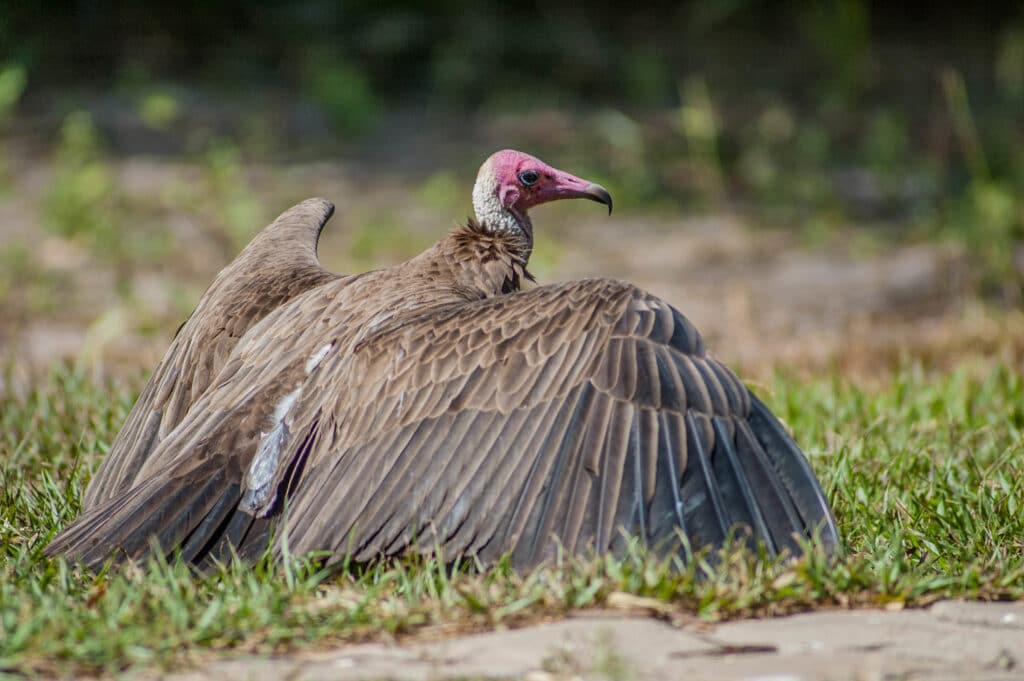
(925,472)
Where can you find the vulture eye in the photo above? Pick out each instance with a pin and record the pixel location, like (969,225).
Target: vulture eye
(529,177)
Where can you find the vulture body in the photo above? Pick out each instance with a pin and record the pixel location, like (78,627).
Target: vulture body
(433,406)
(277,265)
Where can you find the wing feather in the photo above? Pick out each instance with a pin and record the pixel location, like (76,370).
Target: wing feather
(462,514)
(794,472)
(667,504)
(736,485)
(707,518)
(775,503)
(517,465)
(561,480)
(616,492)
(572,415)
(653,439)
(521,532)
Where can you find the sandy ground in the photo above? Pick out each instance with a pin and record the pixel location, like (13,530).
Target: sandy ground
(949,641)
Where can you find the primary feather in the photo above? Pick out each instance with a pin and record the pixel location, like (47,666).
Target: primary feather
(434,406)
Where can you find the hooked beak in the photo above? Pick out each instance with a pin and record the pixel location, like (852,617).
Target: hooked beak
(596,192)
(568,186)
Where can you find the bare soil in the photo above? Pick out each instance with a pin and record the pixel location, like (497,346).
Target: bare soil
(950,641)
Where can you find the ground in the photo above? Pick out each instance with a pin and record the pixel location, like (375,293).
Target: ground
(950,641)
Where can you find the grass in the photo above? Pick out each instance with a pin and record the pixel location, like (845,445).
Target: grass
(925,473)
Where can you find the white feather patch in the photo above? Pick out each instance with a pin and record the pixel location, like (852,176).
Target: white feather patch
(317,357)
(259,482)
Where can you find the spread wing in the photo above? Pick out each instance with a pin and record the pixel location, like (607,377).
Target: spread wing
(279,264)
(568,414)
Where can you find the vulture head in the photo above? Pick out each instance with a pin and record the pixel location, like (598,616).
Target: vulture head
(510,183)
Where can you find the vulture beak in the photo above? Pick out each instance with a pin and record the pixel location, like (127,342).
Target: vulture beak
(596,192)
(568,186)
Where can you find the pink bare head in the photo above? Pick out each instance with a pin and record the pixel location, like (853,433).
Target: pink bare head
(511,182)
(525,181)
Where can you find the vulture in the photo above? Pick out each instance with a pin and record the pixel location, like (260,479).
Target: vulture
(436,407)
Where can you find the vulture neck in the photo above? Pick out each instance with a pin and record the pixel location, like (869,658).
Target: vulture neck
(492,217)
(487,256)
(485,263)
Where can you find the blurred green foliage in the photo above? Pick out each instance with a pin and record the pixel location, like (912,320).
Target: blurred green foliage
(26,288)
(384,238)
(230,202)
(84,203)
(344,93)
(81,201)
(159,109)
(444,192)
(13,80)
(814,115)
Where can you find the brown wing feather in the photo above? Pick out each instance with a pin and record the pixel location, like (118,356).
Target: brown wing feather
(469,429)
(278,265)
(505,446)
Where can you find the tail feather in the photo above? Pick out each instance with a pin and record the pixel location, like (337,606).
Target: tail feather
(154,516)
(82,531)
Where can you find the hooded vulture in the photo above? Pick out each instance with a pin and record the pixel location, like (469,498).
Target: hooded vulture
(433,406)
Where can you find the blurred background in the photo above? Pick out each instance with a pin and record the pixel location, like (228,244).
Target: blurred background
(817,185)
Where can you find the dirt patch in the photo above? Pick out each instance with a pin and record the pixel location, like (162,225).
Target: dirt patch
(949,641)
